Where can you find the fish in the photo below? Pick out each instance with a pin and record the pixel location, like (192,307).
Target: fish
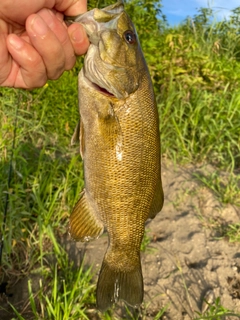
(120,148)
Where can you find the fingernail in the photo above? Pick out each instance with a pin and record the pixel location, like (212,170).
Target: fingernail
(77,35)
(16,42)
(38,26)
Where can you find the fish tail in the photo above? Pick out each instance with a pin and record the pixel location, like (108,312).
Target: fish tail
(116,284)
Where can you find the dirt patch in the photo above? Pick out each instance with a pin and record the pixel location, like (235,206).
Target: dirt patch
(185,261)
(189,260)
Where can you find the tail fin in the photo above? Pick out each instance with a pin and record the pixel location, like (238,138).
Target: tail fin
(114,285)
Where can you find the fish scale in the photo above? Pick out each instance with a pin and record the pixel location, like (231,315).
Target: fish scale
(120,147)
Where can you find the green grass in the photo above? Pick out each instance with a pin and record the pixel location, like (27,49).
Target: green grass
(216,312)
(229,232)
(67,294)
(46,181)
(201,126)
(226,187)
(145,241)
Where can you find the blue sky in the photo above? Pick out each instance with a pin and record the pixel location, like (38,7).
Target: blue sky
(177,10)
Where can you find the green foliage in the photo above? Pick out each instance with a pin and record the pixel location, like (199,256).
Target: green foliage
(196,78)
(197,126)
(46,173)
(66,295)
(229,232)
(232,232)
(47,178)
(216,312)
(145,241)
(226,187)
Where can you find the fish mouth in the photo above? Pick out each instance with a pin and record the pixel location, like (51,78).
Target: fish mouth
(102,90)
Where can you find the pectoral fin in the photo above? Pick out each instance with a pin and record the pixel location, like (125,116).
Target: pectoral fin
(84,224)
(158,200)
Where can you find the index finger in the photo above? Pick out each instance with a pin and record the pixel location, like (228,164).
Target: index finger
(67,7)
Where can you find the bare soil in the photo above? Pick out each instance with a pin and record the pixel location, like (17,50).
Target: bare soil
(187,259)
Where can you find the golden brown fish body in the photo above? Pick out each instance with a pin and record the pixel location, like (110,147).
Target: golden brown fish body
(120,147)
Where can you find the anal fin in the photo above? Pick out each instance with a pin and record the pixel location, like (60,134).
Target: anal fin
(84,224)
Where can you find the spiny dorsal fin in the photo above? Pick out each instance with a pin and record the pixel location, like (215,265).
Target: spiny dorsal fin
(84,224)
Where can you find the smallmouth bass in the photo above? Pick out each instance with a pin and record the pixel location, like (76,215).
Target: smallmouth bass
(120,148)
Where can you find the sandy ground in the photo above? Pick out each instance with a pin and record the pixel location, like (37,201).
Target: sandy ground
(185,259)
(189,260)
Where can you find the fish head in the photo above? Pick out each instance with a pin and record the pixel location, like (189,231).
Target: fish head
(114,62)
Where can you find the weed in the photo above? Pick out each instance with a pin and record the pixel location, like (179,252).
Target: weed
(63,292)
(216,312)
(145,241)
(230,232)
(66,294)
(226,187)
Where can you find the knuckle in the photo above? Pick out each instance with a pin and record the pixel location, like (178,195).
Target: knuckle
(70,62)
(55,72)
(35,80)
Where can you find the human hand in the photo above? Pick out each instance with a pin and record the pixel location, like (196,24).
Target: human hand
(35,43)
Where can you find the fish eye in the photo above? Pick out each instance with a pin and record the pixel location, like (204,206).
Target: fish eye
(130,37)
